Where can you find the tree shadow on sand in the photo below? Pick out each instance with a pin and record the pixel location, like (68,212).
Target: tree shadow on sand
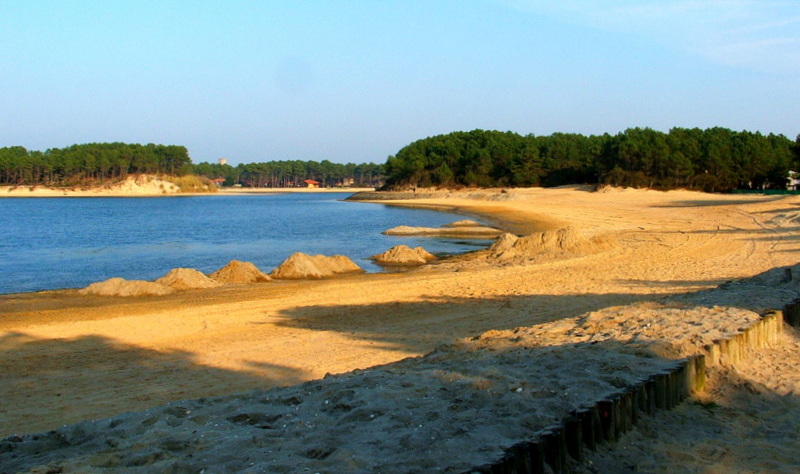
(458,407)
(238,429)
(49,382)
(420,326)
(719,202)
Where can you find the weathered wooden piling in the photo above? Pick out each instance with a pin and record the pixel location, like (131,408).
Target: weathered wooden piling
(590,426)
(791,313)
(650,387)
(696,373)
(661,390)
(522,460)
(573,437)
(555,449)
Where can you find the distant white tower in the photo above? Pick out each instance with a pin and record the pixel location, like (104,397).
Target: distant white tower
(223,161)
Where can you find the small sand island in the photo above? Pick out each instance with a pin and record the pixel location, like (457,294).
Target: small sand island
(465,228)
(455,366)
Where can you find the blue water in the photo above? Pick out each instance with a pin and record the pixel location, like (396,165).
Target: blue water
(54,243)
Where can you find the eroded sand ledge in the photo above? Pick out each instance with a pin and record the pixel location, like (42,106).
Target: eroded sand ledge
(115,356)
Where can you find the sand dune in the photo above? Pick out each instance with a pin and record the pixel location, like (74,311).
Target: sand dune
(143,185)
(671,251)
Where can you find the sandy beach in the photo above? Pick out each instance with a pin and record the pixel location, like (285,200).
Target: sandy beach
(655,276)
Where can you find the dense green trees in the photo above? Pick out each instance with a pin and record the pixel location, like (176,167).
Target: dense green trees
(283,174)
(98,162)
(715,159)
(93,162)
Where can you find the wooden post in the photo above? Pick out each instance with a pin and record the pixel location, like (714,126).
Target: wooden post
(573,437)
(696,373)
(554,449)
(536,454)
(590,426)
(521,458)
(641,396)
(632,394)
(681,380)
(650,386)
(791,313)
(661,391)
(625,411)
(608,416)
(712,354)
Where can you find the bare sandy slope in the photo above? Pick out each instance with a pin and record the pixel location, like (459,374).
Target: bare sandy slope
(68,357)
(133,186)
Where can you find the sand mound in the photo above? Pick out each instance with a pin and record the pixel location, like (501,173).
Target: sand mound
(503,243)
(298,265)
(239,272)
(186,279)
(404,255)
(122,287)
(302,266)
(335,264)
(546,245)
(424,253)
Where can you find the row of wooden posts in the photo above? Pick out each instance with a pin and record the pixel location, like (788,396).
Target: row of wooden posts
(609,418)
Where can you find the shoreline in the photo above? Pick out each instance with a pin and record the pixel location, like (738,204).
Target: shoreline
(38,192)
(456,210)
(672,246)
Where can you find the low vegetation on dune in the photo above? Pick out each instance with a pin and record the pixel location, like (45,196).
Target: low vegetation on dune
(192,184)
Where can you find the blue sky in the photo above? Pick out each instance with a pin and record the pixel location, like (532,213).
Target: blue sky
(354,81)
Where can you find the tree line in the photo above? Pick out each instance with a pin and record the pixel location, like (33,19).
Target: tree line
(293,173)
(100,162)
(92,162)
(715,159)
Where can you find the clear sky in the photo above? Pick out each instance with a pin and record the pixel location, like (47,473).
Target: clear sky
(354,81)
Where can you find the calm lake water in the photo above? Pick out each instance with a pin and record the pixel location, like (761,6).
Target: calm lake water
(54,243)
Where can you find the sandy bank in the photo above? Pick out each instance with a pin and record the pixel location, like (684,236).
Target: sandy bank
(153,186)
(116,355)
(133,186)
